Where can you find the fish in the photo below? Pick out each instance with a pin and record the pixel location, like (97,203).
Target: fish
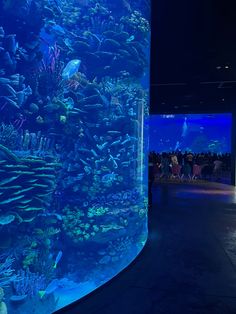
(80,176)
(122,150)
(115,143)
(71,68)
(10,200)
(8,180)
(58,216)
(53,285)
(131,38)
(84,150)
(101,147)
(59,256)
(5,220)
(114,132)
(125,163)
(87,170)
(33,208)
(57,29)
(93,106)
(126,141)
(84,162)
(94,153)
(109,177)
(23,190)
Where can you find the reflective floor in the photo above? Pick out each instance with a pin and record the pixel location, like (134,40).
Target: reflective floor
(189,263)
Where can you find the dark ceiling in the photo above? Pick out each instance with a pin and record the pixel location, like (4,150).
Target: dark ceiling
(193,65)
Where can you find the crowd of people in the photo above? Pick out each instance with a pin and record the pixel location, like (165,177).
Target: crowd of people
(189,166)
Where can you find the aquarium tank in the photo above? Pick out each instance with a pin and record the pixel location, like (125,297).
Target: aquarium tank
(74,93)
(190,132)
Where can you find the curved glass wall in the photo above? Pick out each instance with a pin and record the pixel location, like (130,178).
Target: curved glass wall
(74,79)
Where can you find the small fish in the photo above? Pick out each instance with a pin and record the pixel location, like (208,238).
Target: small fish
(71,68)
(113,132)
(109,177)
(122,150)
(125,163)
(54,284)
(57,29)
(101,147)
(58,216)
(10,200)
(131,38)
(84,162)
(59,256)
(94,153)
(68,43)
(115,143)
(80,176)
(125,141)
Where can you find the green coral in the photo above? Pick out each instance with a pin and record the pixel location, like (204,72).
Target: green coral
(30,259)
(81,225)
(75,226)
(97,211)
(136,22)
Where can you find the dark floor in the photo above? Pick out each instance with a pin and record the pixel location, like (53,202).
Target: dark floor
(189,263)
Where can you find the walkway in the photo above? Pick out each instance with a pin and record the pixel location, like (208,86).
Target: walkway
(189,263)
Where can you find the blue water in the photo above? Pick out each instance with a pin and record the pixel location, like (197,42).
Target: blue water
(190,132)
(74,79)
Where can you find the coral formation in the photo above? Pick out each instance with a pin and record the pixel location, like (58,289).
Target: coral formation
(6,272)
(73,95)
(3,307)
(27,284)
(26,187)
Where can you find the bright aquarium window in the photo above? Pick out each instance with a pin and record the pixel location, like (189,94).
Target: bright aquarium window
(74,78)
(198,133)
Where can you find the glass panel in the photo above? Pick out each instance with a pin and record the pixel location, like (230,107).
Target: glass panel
(74,91)
(192,146)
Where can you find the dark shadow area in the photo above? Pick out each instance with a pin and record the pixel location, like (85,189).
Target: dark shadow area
(188,264)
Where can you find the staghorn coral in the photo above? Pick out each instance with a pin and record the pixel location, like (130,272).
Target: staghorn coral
(8,135)
(6,271)
(28,283)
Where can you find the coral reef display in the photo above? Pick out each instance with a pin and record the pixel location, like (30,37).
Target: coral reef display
(73,169)
(191,132)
